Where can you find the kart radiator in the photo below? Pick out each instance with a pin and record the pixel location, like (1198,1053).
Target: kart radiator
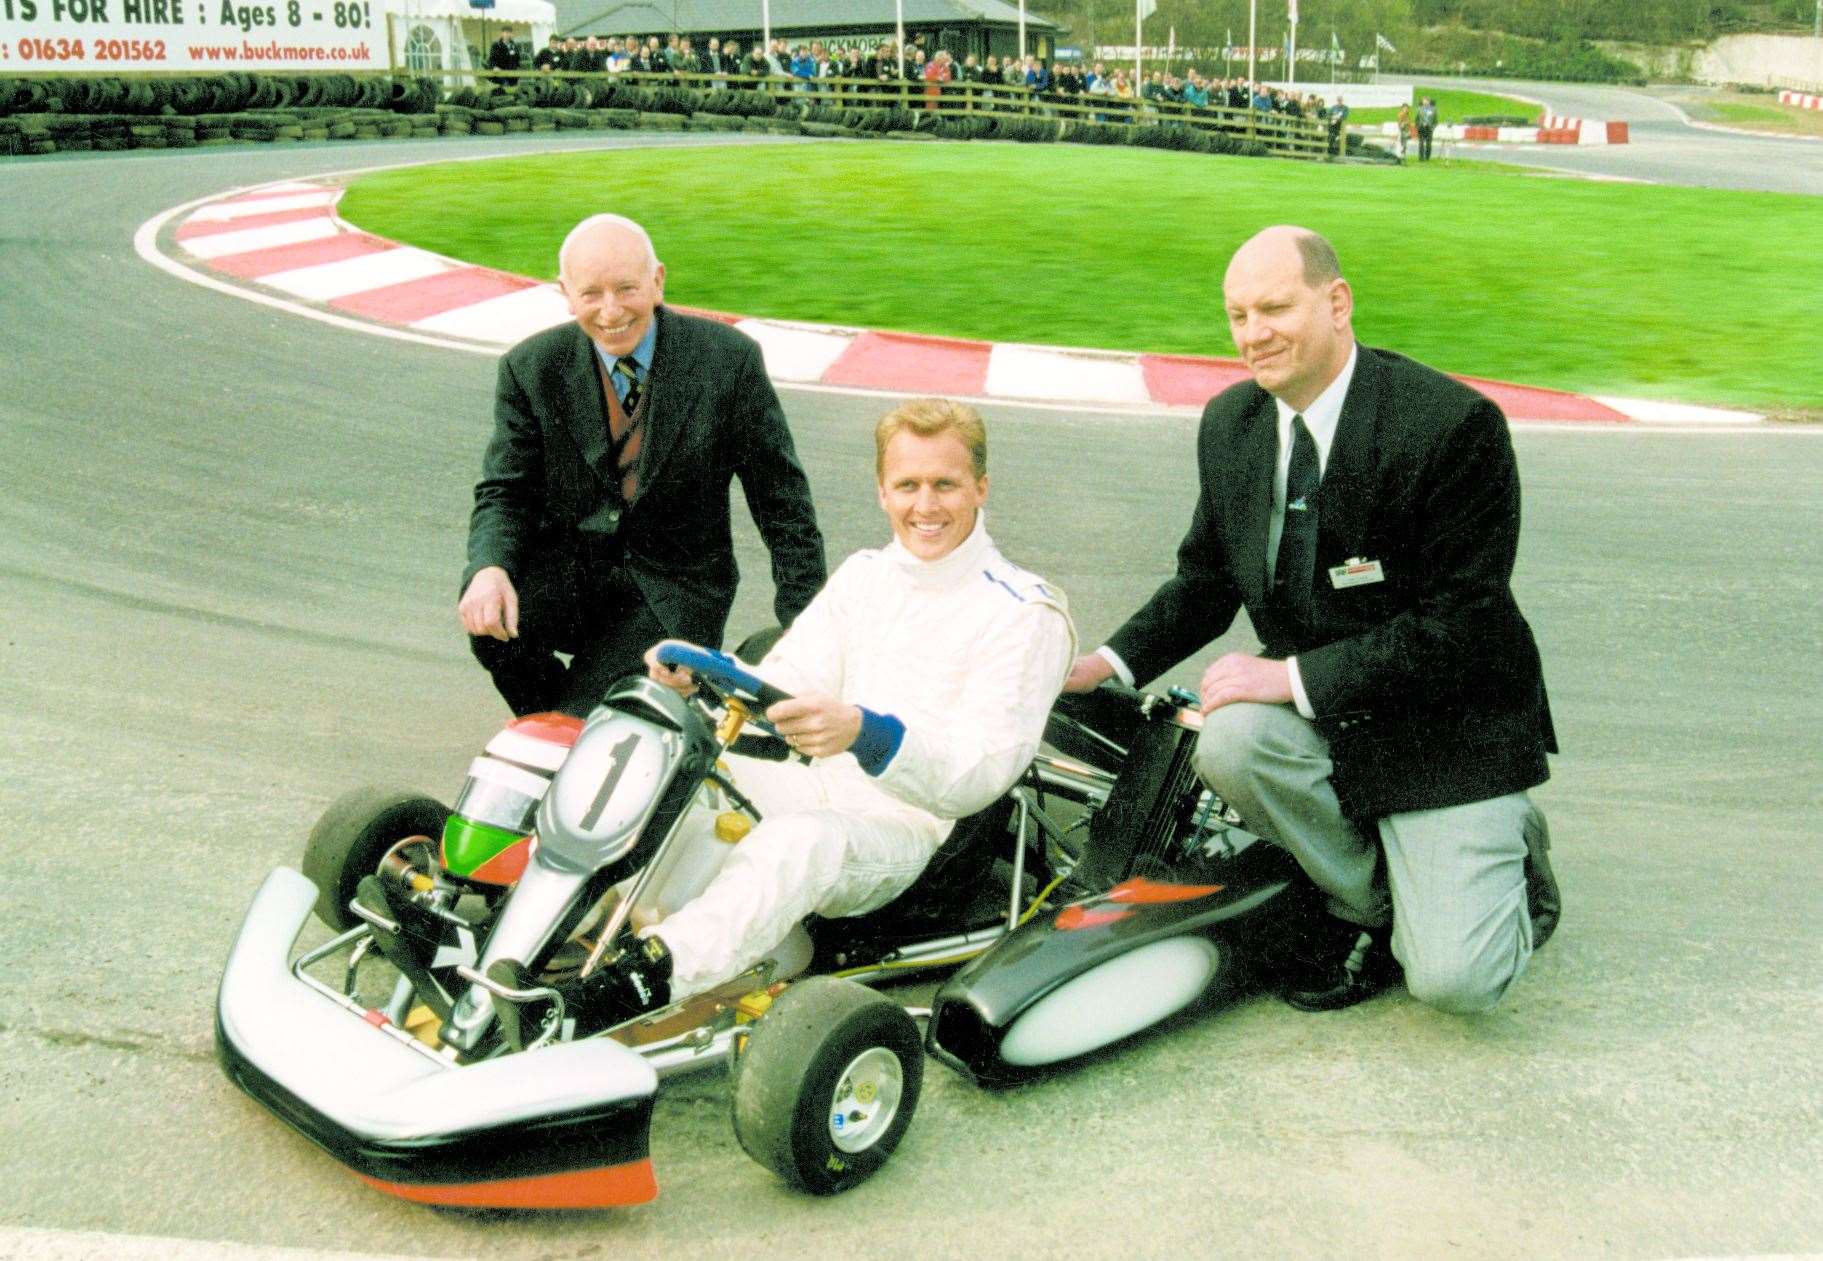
(1148,806)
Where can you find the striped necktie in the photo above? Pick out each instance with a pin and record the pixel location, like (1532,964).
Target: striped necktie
(626,373)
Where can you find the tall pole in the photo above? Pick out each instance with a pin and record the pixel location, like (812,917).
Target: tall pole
(899,32)
(1291,50)
(1253,24)
(1139,16)
(1022,28)
(765,26)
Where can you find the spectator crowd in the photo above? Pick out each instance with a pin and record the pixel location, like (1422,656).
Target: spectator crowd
(1062,83)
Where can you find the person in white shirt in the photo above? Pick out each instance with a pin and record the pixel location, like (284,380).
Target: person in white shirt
(921,677)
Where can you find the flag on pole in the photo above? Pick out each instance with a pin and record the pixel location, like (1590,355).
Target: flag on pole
(1294,12)
(1380,41)
(1147,8)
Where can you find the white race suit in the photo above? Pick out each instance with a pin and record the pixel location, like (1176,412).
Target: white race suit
(954,663)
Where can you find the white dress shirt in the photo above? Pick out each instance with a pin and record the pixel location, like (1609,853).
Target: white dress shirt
(1321,418)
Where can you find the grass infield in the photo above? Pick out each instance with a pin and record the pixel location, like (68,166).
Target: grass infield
(1452,106)
(1757,111)
(1695,295)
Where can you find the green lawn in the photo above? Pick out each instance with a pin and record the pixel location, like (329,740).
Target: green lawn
(1730,112)
(1759,112)
(1452,106)
(1690,294)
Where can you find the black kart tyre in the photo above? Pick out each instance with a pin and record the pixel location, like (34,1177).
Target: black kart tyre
(827,1083)
(355,833)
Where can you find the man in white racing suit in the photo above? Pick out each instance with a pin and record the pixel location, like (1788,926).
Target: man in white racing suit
(920,679)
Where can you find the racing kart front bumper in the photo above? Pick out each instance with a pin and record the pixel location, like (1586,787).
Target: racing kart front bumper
(564,1126)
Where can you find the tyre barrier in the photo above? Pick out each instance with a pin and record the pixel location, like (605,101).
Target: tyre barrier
(39,116)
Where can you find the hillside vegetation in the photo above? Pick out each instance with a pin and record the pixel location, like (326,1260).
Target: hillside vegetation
(1517,38)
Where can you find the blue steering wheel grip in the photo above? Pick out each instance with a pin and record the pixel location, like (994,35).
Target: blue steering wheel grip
(722,672)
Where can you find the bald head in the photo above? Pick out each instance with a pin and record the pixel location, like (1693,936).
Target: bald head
(610,233)
(1315,256)
(613,281)
(1290,312)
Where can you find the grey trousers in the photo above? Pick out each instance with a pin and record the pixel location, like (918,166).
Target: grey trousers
(1455,876)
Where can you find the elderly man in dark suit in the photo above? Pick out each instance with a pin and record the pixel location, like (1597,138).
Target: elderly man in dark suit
(1364,510)
(601,520)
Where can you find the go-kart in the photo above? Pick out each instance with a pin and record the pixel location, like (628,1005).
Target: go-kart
(428,1047)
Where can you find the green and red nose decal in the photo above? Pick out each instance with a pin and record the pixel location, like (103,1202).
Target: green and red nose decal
(476,851)
(483,849)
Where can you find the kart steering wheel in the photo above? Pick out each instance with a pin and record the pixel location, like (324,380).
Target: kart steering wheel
(726,677)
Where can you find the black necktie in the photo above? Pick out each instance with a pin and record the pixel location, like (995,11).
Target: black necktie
(1295,570)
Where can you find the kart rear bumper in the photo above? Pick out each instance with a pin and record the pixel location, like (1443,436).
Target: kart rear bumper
(564,1126)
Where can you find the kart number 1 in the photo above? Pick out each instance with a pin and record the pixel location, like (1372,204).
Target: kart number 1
(621,755)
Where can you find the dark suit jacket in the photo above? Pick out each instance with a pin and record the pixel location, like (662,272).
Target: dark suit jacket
(1427,684)
(548,479)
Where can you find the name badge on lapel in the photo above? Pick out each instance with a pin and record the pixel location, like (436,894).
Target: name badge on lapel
(1356,572)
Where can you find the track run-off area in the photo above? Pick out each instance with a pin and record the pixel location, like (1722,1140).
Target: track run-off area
(229,548)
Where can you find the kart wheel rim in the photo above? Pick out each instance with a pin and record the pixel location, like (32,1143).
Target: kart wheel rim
(866,1099)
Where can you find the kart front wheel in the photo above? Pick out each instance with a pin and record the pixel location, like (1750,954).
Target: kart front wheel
(355,833)
(827,1084)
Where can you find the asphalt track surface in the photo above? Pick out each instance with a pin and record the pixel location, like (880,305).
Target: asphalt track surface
(229,542)
(1663,146)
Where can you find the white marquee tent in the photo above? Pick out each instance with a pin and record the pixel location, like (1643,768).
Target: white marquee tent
(454,35)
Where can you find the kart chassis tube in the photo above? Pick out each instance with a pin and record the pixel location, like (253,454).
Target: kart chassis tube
(571,1122)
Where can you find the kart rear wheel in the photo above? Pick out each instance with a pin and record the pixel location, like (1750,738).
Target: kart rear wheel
(355,833)
(827,1083)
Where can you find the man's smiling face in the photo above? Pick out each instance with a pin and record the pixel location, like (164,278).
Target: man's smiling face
(612,284)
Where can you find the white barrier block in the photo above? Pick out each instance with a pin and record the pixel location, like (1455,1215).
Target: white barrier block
(1040,373)
(357,275)
(222,244)
(221,211)
(1653,411)
(793,353)
(503,321)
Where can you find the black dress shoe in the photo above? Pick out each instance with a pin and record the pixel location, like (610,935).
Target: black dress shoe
(1542,897)
(1363,967)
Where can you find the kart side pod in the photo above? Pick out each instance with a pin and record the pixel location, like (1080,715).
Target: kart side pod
(1086,975)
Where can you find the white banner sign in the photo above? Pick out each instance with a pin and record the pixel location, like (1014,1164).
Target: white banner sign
(121,36)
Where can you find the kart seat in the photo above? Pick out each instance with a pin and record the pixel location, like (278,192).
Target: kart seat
(942,897)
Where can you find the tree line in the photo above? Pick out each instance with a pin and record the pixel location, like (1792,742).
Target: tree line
(1210,23)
